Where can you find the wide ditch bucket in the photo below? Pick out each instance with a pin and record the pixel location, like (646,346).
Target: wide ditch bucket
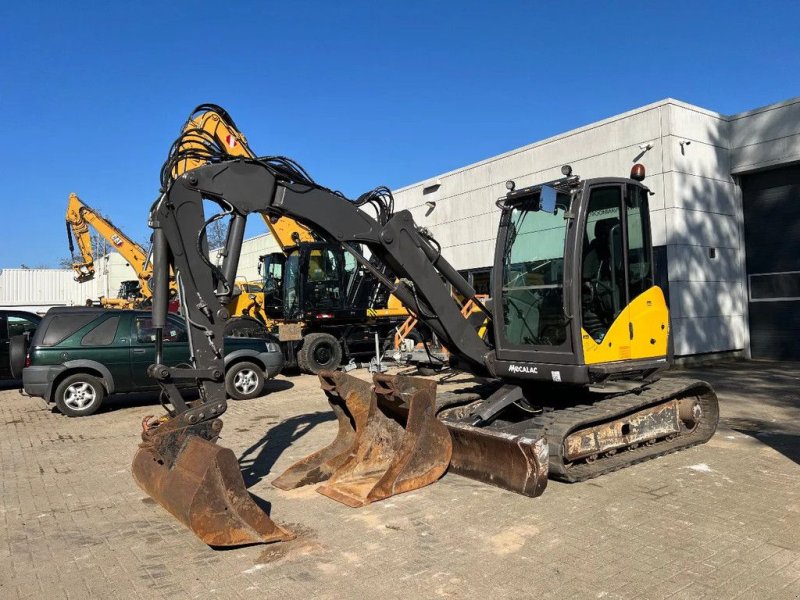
(512,461)
(201,485)
(390,441)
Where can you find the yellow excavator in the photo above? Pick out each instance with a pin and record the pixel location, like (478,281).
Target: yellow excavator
(322,306)
(568,356)
(79,217)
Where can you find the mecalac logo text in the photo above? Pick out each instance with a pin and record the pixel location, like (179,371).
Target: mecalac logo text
(523,369)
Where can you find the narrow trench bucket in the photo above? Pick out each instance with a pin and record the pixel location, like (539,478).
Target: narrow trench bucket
(510,461)
(389,440)
(201,485)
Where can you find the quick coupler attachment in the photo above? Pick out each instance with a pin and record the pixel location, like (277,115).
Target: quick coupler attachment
(389,440)
(200,483)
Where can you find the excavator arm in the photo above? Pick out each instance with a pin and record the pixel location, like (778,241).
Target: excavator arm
(243,187)
(79,218)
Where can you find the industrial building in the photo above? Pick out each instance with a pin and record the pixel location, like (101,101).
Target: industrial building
(37,290)
(725,215)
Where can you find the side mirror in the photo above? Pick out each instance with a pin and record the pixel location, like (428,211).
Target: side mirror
(547,199)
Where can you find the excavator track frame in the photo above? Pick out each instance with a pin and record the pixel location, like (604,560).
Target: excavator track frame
(557,425)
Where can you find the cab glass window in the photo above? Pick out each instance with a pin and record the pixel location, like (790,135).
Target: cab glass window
(323,287)
(603,291)
(533,275)
(640,268)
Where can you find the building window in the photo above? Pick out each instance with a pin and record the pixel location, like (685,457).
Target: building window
(774,287)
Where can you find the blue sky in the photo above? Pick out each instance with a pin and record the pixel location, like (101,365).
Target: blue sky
(360,93)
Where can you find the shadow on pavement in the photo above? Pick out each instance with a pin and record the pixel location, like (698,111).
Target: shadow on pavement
(277,385)
(257,461)
(758,398)
(769,434)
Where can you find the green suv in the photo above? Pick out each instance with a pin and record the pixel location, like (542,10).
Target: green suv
(78,356)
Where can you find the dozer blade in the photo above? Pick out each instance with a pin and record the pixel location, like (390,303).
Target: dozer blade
(512,461)
(389,440)
(201,485)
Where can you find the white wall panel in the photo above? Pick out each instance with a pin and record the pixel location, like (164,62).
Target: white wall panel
(699,228)
(709,334)
(693,263)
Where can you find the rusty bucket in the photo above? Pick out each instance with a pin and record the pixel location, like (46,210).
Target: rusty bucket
(389,440)
(201,485)
(349,398)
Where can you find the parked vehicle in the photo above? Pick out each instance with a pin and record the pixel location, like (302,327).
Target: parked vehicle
(79,356)
(14,326)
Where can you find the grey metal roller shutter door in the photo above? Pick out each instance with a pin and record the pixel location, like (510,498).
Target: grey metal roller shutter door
(772,243)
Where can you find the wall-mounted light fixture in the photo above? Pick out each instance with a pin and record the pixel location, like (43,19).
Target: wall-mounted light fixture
(683,144)
(431,204)
(643,150)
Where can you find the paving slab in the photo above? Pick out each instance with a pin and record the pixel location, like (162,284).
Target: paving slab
(720,520)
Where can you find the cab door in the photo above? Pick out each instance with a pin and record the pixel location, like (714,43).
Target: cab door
(623,314)
(143,351)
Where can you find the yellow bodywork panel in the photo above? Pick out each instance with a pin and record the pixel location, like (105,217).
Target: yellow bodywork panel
(648,317)
(287,232)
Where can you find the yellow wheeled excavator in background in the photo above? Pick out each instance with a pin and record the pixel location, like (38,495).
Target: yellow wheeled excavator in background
(79,217)
(568,355)
(324,308)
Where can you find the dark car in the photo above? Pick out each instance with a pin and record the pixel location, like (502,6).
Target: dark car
(78,356)
(14,326)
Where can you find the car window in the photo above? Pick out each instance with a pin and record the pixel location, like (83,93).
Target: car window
(145,333)
(63,326)
(103,334)
(17,325)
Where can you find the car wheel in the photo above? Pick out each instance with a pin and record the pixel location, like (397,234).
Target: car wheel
(244,380)
(79,395)
(320,352)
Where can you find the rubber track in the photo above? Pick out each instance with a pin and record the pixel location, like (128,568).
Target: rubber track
(557,424)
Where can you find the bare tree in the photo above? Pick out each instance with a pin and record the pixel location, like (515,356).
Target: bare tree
(216,233)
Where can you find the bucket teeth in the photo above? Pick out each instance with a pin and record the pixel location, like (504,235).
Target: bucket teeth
(201,485)
(389,440)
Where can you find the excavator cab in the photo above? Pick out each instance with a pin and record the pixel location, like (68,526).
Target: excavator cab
(271,268)
(576,299)
(315,283)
